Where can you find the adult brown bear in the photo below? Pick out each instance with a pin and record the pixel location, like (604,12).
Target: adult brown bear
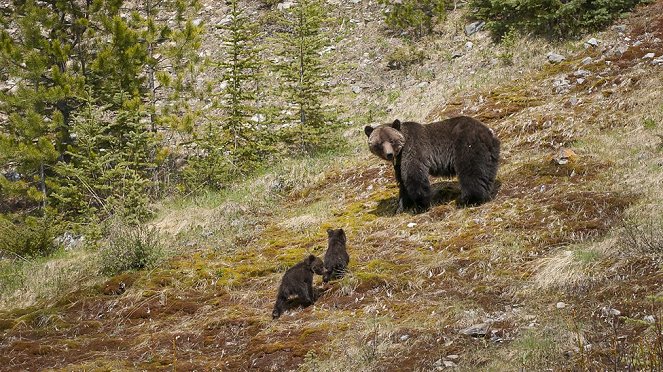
(460,146)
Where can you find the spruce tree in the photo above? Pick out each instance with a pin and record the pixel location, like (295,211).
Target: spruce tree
(303,73)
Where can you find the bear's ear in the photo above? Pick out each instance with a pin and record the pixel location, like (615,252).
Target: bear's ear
(310,259)
(329,232)
(368,130)
(396,124)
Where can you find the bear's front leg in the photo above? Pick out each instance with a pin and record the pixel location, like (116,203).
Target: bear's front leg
(416,187)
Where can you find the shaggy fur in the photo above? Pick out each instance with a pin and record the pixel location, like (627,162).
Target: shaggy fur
(460,146)
(336,258)
(297,283)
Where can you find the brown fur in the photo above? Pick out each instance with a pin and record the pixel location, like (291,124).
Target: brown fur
(460,146)
(336,258)
(297,284)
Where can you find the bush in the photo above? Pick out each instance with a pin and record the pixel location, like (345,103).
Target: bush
(26,236)
(416,17)
(404,56)
(130,248)
(549,18)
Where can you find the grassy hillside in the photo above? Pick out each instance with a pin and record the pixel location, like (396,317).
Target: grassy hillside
(562,270)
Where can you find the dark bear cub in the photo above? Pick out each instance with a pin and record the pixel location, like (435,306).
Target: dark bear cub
(336,258)
(460,146)
(297,284)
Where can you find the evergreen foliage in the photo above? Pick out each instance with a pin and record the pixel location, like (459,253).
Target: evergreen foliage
(549,18)
(413,17)
(303,73)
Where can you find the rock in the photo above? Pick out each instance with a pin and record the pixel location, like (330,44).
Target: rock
(449,364)
(619,28)
(592,42)
(573,101)
(455,55)
(404,338)
(649,319)
(423,84)
(607,311)
(561,85)
(452,357)
(587,60)
(356,89)
(474,27)
(657,62)
(617,51)
(560,305)
(580,81)
(477,330)
(411,224)
(649,56)
(69,241)
(582,73)
(469,45)
(555,58)
(285,5)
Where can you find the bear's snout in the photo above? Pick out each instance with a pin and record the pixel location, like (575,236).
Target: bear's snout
(388,151)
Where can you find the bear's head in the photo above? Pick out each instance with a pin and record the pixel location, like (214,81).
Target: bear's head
(336,234)
(385,141)
(316,264)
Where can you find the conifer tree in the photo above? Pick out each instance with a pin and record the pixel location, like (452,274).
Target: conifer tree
(303,72)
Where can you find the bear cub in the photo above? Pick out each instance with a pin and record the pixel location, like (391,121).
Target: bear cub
(336,258)
(297,284)
(460,146)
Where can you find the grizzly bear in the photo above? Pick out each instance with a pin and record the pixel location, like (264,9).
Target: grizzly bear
(460,146)
(336,258)
(297,284)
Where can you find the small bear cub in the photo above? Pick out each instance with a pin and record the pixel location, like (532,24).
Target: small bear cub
(297,284)
(336,258)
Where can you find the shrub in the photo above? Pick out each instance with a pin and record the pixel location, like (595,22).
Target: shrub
(130,248)
(404,56)
(550,18)
(415,17)
(26,236)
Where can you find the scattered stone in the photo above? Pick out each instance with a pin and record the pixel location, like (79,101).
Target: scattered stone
(561,85)
(449,364)
(404,338)
(285,5)
(455,55)
(69,241)
(453,357)
(617,51)
(580,81)
(658,61)
(649,319)
(587,60)
(582,73)
(356,89)
(620,28)
(423,84)
(555,58)
(560,305)
(411,224)
(649,56)
(573,101)
(474,27)
(607,311)
(469,45)
(637,43)
(477,330)
(592,42)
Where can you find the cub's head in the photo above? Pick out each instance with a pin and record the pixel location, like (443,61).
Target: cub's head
(316,264)
(385,141)
(336,234)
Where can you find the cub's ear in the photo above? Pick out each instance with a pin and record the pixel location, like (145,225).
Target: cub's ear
(396,124)
(329,232)
(368,130)
(310,259)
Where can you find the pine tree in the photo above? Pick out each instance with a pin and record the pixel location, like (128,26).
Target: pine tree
(303,73)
